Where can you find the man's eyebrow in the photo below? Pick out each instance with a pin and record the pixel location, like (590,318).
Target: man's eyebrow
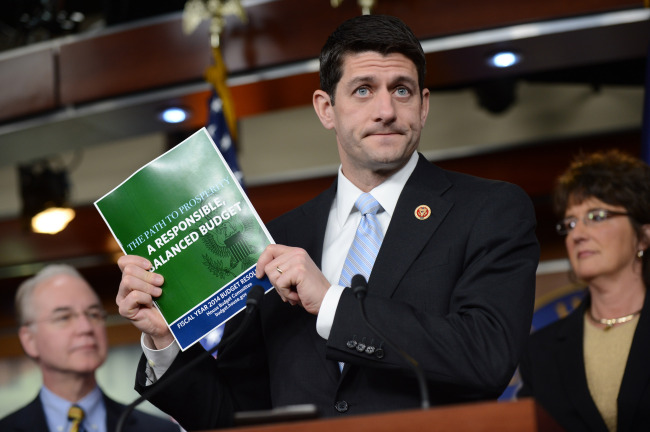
(361,80)
(405,79)
(70,308)
(369,79)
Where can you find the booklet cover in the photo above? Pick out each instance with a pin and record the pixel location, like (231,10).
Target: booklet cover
(189,216)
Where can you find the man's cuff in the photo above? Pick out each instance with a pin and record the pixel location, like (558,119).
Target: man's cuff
(327,311)
(158,361)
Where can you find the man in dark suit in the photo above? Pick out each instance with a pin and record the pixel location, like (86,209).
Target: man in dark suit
(62,329)
(453,281)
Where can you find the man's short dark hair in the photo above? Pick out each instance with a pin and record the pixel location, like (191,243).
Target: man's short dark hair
(376,33)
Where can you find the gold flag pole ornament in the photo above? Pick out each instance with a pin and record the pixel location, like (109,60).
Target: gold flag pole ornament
(194,13)
(365,5)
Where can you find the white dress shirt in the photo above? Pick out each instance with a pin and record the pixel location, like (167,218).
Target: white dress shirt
(342,226)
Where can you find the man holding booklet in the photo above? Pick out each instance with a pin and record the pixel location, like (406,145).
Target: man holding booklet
(450,261)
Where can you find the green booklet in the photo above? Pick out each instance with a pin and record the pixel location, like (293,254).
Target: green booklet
(188,215)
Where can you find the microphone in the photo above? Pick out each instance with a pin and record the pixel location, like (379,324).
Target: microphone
(359,287)
(253,300)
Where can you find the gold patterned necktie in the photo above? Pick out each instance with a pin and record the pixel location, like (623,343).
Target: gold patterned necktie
(76,416)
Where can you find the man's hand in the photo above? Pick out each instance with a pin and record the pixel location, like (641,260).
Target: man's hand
(294,275)
(135,300)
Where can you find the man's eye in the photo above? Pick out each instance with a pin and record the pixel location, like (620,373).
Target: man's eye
(62,319)
(95,315)
(402,91)
(362,91)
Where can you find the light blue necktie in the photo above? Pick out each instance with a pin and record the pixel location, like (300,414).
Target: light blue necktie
(366,243)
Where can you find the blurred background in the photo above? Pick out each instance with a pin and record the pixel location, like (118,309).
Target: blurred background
(84,84)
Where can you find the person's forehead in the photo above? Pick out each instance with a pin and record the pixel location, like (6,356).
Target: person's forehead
(375,60)
(63,291)
(589,203)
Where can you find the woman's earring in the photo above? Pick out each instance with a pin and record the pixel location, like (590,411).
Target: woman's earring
(640,253)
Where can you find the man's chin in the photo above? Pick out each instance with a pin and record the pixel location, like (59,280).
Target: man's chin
(391,158)
(388,165)
(88,360)
(88,367)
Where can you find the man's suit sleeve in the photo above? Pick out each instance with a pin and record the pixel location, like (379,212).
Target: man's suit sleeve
(198,399)
(208,395)
(463,309)
(137,421)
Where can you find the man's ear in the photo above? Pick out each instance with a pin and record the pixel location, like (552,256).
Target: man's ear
(323,108)
(28,341)
(424,112)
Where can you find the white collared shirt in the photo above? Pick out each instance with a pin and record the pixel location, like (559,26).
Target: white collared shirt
(342,226)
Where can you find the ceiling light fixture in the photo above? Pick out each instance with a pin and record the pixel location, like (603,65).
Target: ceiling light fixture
(44,191)
(504,59)
(174,115)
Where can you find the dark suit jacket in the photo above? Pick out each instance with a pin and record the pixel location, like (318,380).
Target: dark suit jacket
(454,290)
(31,418)
(553,371)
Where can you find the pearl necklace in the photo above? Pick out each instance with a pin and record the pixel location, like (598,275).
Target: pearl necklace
(611,322)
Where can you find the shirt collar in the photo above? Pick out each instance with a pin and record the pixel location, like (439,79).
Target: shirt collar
(387,193)
(56,408)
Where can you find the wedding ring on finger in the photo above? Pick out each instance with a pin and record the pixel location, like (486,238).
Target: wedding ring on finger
(279,269)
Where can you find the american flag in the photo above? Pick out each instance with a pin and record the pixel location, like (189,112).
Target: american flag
(220,133)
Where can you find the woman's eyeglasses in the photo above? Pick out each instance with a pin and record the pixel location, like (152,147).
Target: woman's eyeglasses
(593,217)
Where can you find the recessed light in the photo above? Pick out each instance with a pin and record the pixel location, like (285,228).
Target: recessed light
(504,59)
(174,115)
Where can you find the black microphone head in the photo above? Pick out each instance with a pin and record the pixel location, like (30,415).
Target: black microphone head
(359,286)
(254,296)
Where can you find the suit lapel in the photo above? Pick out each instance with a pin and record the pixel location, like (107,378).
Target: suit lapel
(637,373)
(34,417)
(113,412)
(570,361)
(310,236)
(407,235)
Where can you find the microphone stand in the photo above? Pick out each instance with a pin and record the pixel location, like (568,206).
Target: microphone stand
(253,299)
(359,287)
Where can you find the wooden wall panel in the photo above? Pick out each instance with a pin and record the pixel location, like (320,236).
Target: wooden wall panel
(272,95)
(434,18)
(289,30)
(27,83)
(135,59)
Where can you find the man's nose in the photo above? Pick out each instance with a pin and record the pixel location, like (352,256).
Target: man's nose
(385,106)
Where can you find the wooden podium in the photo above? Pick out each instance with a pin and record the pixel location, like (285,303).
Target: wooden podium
(521,416)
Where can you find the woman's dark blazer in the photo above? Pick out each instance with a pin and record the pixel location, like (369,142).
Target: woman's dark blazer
(553,372)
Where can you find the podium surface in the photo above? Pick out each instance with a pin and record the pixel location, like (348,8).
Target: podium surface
(519,416)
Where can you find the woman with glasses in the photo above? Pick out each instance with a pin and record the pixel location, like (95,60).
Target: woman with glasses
(591,370)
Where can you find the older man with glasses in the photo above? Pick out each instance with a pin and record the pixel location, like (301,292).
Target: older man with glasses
(62,328)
